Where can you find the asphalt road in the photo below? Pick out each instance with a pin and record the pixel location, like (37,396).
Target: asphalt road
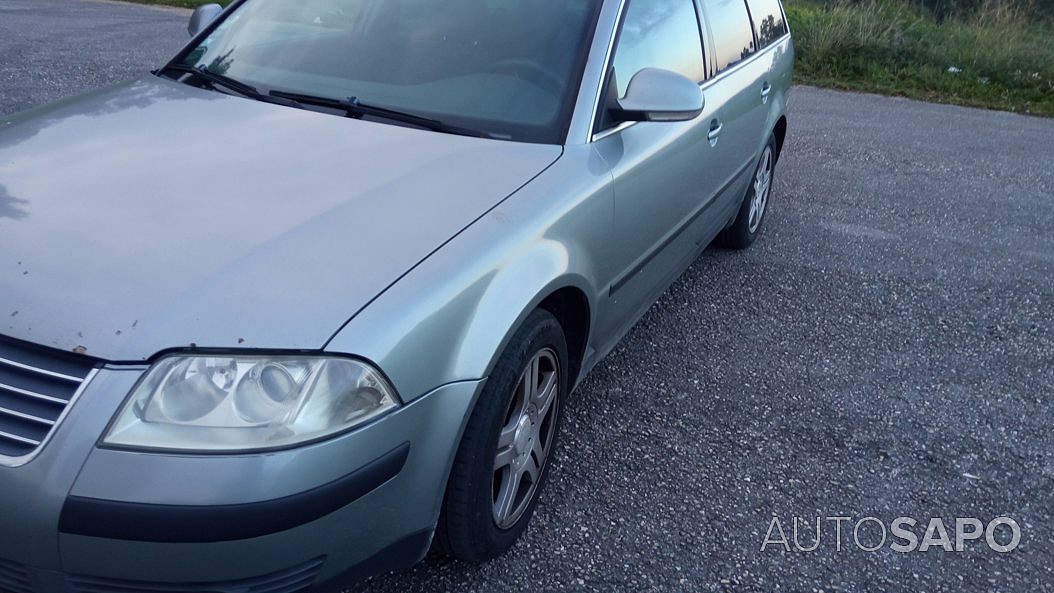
(885,350)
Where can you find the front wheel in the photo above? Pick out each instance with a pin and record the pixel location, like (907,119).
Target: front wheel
(503,458)
(747,225)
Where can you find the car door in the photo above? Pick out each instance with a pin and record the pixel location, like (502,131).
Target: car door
(665,174)
(739,90)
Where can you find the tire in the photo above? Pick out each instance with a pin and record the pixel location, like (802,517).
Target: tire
(746,227)
(479,519)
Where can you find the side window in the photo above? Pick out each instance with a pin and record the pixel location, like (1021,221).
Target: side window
(732,31)
(659,34)
(768,21)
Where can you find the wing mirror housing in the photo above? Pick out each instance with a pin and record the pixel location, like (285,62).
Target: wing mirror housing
(203,15)
(660,95)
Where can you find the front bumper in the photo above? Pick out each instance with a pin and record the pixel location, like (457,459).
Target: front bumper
(79,518)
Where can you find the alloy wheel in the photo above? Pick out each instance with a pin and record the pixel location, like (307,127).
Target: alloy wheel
(762,188)
(526,438)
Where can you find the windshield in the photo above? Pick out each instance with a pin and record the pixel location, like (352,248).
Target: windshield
(507,68)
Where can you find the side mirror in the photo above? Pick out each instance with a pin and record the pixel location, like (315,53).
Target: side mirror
(660,95)
(203,15)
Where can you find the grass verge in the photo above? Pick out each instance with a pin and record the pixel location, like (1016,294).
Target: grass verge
(997,57)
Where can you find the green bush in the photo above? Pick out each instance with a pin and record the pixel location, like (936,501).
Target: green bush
(1000,57)
(967,9)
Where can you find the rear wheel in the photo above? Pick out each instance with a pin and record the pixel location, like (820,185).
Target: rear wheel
(503,459)
(747,225)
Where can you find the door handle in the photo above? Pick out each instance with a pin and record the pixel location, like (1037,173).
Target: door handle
(715,132)
(765,90)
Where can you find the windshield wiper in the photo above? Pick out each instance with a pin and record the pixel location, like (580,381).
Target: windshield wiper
(354,108)
(213,79)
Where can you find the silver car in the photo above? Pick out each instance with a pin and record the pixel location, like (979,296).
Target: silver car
(309,299)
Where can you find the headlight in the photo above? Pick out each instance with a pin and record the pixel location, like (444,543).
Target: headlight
(233,403)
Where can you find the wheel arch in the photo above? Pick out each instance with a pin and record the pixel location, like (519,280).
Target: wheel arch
(570,306)
(779,132)
(565,296)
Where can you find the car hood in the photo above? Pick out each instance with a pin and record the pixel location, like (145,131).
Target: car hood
(154,215)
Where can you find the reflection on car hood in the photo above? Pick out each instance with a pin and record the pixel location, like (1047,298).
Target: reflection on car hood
(155,215)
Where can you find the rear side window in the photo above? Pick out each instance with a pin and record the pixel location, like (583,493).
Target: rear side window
(659,34)
(732,31)
(768,21)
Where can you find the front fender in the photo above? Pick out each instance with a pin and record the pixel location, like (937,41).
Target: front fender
(513,292)
(449,318)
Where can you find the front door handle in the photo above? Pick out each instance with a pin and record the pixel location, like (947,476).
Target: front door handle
(715,132)
(765,90)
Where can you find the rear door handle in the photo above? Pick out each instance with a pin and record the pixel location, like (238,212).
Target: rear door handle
(765,90)
(715,132)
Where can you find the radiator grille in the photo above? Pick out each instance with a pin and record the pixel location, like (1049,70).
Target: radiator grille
(13,578)
(36,385)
